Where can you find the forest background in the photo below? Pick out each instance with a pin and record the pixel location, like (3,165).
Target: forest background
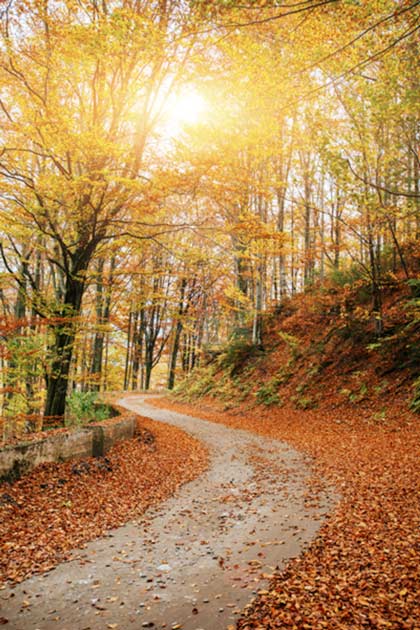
(173,173)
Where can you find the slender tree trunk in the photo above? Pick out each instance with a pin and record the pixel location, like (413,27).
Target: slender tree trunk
(103,310)
(416,173)
(307,273)
(97,350)
(128,351)
(292,258)
(177,337)
(282,285)
(148,367)
(337,235)
(174,355)
(375,272)
(137,350)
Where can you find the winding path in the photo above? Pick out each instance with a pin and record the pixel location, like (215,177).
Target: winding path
(195,560)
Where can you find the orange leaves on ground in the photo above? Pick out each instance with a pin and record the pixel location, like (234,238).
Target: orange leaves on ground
(363,569)
(59,507)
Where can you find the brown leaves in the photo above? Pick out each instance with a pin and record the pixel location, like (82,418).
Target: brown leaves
(362,571)
(55,510)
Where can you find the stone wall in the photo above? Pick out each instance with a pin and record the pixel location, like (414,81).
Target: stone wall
(92,440)
(108,432)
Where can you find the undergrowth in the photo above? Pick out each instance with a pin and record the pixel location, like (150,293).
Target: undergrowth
(321,349)
(415,401)
(85,407)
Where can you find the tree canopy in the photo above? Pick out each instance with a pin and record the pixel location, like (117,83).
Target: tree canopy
(170,171)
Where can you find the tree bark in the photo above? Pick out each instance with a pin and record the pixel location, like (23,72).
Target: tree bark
(177,337)
(64,336)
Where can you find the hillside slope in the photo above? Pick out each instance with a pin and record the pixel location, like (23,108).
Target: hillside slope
(320,351)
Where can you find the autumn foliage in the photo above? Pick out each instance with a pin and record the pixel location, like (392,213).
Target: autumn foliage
(362,570)
(58,507)
(261,252)
(197,164)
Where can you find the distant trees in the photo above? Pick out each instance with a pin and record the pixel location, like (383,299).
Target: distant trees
(316,151)
(124,249)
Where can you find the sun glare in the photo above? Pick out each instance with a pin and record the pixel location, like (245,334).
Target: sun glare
(185,108)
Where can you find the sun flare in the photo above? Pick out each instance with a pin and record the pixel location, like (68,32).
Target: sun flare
(185,108)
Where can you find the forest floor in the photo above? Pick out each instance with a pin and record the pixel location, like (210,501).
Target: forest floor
(192,561)
(59,507)
(363,569)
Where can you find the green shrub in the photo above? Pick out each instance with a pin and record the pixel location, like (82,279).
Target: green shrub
(225,389)
(380,416)
(301,388)
(314,370)
(415,401)
(414,284)
(239,389)
(199,383)
(83,407)
(305,403)
(350,276)
(364,390)
(236,354)
(243,391)
(356,395)
(293,344)
(268,394)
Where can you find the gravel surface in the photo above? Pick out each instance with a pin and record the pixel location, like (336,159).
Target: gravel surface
(197,559)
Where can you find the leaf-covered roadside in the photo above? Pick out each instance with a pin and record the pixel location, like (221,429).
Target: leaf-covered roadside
(363,569)
(59,507)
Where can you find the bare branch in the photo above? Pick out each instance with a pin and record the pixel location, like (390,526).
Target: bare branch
(395,193)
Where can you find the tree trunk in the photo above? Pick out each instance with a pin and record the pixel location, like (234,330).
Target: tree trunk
(98,342)
(417,197)
(177,337)
(103,310)
(128,352)
(174,355)
(282,285)
(137,350)
(148,372)
(64,336)
(375,272)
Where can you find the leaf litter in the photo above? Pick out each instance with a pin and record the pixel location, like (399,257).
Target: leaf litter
(59,507)
(363,569)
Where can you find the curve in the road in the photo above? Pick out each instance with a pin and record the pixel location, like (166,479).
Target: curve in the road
(198,558)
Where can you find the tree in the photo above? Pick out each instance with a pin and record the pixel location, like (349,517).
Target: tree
(75,146)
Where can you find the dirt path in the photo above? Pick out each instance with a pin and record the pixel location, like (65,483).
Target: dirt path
(194,561)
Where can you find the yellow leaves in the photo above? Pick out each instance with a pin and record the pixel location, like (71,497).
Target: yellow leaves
(254,228)
(259,237)
(361,313)
(233,294)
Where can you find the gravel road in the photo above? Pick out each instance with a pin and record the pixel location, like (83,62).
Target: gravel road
(194,561)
